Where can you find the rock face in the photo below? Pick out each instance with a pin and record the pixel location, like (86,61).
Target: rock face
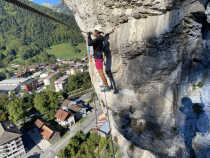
(159,50)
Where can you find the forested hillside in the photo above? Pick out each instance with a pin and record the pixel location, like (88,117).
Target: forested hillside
(25,35)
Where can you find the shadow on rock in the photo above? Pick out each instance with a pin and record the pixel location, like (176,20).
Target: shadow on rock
(196,121)
(108,63)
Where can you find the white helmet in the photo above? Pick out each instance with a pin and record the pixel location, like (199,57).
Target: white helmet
(98,28)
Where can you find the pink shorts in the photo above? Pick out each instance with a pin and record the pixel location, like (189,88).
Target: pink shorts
(99,64)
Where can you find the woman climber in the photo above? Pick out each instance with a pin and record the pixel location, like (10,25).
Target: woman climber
(98,49)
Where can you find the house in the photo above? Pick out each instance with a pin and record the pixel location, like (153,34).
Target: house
(47,80)
(33,68)
(23,73)
(64,118)
(65,104)
(81,70)
(31,84)
(60,83)
(14,84)
(68,62)
(37,74)
(43,75)
(44,130)
(71,71)
(78,110)
(11,145)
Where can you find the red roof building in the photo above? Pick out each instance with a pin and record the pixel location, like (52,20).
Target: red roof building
(61,115)
(64,118)
(45,131)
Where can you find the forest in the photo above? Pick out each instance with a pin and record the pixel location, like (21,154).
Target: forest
(24,36)
(90,145)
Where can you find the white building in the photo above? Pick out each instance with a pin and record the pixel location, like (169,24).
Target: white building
(60,83)
(6,86)
(64,118)
(36,74)
(11,145)
(81,70)
(43,75)
(72,71)
(47,80)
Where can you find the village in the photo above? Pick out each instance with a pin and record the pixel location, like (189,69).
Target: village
(36,134)
(38,77)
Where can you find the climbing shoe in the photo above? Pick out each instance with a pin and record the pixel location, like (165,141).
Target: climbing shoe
(116,91)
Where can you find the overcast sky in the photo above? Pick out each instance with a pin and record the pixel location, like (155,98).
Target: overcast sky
(46,1)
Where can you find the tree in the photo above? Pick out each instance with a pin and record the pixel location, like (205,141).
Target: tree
(62,154)
(3,105)
(80,80)
(3,115)
(17,109)
(2,76)
(25,35)
(41,102)
(47,103)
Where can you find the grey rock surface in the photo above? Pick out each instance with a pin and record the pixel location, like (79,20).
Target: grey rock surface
(157,46)
(208,12)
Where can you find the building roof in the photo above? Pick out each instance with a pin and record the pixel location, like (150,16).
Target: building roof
(39,123)
(51,75)
(81,106)
(74,108)
(46,132)
(6,88)
(8,132)
(61,115)
(65,103)
(61,80)
(13,81)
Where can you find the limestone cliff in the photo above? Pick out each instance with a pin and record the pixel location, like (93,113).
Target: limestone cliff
(159,53)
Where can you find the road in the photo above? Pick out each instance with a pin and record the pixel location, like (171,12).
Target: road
(85,126)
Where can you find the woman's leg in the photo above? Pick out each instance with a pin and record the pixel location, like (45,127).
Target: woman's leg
(101,73)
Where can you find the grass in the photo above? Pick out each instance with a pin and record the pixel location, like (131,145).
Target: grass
(67,51)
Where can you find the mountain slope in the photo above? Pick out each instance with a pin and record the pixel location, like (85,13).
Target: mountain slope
(25,35)
(59,7)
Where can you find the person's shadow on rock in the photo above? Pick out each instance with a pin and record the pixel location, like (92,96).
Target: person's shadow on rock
(196,121)
(108,63)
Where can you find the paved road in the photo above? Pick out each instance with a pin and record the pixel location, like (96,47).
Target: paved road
(85,97)
(85,126)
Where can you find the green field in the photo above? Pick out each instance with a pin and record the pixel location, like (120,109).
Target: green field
(67,51)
